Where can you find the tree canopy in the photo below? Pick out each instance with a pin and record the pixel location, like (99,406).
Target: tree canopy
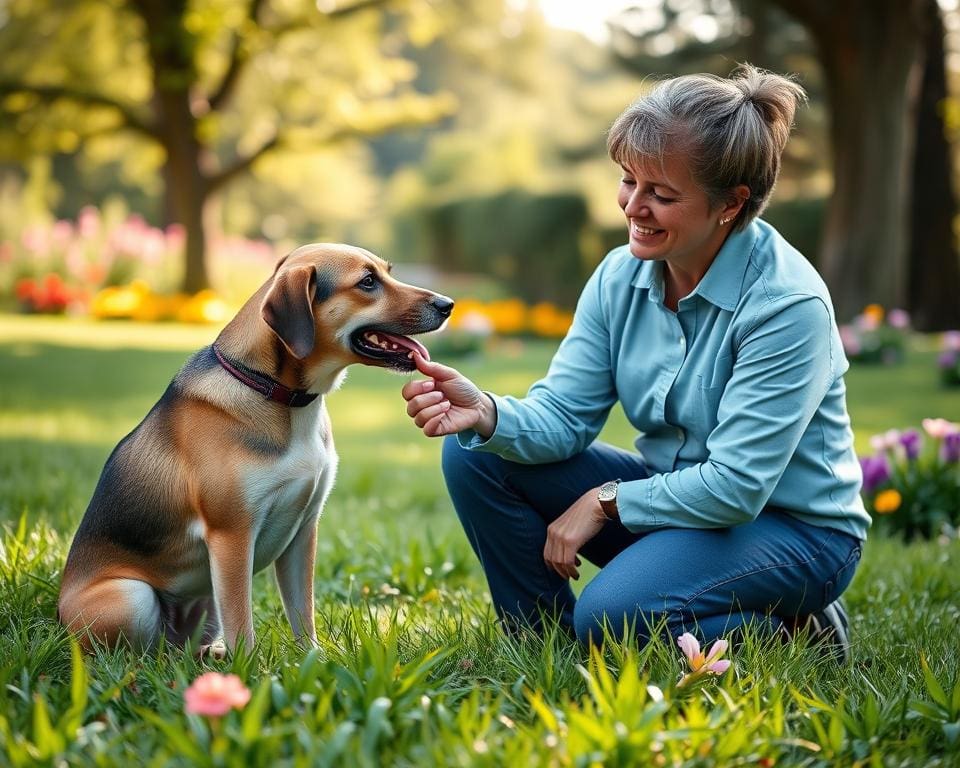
(207,89)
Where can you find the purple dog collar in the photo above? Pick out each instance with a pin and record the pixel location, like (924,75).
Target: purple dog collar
(269,387)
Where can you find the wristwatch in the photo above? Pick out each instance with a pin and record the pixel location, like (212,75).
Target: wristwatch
(607,496)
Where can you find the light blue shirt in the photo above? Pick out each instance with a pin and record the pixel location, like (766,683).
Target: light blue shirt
(738,396)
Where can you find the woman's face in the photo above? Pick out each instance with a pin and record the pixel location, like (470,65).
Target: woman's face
(669,216)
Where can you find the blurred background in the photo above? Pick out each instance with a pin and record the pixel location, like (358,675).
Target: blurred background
(157,156)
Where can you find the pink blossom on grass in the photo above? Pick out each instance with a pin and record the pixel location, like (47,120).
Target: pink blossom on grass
(213,695)
(699,662)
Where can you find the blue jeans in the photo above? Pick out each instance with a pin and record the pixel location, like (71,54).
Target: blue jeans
(705,581)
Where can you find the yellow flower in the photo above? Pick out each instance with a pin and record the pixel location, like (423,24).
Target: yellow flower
(874,312)
(204,307)
(508,316)
(549,320)
(887,502)
(120,301)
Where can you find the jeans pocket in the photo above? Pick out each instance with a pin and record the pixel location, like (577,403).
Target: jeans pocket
(841,580)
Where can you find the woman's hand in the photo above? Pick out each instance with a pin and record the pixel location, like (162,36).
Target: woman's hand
(569,532)
(447,402)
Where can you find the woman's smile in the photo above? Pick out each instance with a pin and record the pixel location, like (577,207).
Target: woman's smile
(645,235)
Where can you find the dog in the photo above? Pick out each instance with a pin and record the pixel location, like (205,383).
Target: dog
(230,470)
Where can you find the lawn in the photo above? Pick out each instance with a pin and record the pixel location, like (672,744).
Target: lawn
(412,669)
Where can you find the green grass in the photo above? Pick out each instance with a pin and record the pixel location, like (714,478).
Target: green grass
(412,669)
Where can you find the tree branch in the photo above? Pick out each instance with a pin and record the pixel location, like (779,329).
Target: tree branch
(50,93)
(238,58)
(237,61)
(334,10)
(217,180)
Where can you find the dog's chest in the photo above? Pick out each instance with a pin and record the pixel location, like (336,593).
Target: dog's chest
(289,491)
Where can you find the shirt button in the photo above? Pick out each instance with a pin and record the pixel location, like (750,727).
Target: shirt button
(682,341)
(680,434)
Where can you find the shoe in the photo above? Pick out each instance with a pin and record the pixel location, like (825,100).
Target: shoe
(827,629)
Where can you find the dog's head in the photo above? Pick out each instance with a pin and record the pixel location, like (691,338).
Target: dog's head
(339,303)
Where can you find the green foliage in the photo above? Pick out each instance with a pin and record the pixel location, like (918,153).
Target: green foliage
(412,668)
(800,221)
(531,240)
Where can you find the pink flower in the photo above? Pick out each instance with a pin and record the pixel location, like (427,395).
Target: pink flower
(700,663)
(885,442)
(951,341)
(213,695)
(850,339)
(88,222)
(938,428)
(898,318)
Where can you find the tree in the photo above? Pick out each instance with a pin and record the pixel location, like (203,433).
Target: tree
(934,268)
(172,72)
(873,54)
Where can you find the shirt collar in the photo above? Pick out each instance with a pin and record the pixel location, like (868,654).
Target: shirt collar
(723,282)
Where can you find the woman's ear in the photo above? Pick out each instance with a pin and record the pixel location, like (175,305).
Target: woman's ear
(288,309)
(738,196)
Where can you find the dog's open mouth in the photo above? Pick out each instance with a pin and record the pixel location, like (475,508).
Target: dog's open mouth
(387,349)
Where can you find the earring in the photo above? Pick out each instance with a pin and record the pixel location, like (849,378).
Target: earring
(726,221)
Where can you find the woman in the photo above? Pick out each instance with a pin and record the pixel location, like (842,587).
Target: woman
(719,340)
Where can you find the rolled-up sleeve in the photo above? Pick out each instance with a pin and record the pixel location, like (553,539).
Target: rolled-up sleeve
(563,412)
(784,367)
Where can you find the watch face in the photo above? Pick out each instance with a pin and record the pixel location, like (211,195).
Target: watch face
(607,492)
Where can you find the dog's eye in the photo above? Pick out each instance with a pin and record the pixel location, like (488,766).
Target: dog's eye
(368,283)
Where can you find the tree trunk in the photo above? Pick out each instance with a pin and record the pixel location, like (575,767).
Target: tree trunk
(171,53)
(871,57)
(188,187)
(934,264)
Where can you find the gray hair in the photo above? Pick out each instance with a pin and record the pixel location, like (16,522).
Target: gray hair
(731,130)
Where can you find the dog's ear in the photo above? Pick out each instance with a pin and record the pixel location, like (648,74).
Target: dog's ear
(288,309)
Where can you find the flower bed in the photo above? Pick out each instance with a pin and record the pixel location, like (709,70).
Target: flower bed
(876,336)
(911,485)
(117,266)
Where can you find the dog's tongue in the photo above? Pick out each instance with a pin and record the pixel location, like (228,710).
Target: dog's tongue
(406,342)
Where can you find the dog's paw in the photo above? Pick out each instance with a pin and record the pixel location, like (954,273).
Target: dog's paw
(216,650)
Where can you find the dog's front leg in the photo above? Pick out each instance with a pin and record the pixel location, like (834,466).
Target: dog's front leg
(294,570)
(231,572)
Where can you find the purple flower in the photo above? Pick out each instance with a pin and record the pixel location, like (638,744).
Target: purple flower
(948,359)
(910,440)
(876,471)
(951,448)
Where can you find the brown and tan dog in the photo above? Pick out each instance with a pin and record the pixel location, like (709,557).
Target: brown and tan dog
(230,469)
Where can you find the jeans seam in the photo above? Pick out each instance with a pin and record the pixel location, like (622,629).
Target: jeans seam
(755,571)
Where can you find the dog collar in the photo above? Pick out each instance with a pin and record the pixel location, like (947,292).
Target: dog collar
(269,387)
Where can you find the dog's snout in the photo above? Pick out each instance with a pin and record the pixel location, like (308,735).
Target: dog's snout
(442,304)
